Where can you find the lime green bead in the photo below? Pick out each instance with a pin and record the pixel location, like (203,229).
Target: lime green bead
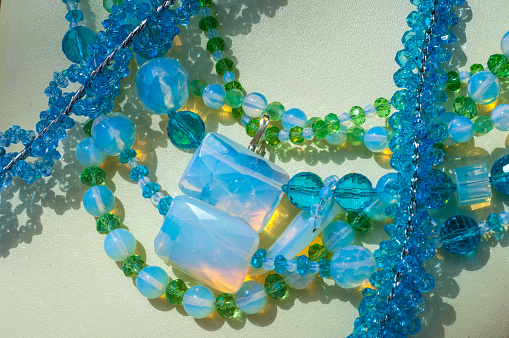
(175,291)
(320,129)
(475,68)
(309,123)
(232,85)
(465,106)
(234,98)
(358,116)
(296,135)
(453,81)
(275,111)
(208,23)
(317,252)
(237,112)
(133,265)
(272,136)
(275,286)
(215,44)
(205,3)
(197,87)
(498,64)
(225,305)
(87,128)
(359,221)
(107,223)
(252,127)
(224,65)
(383,107)
(332,122)
(92,176)
(355,135)
(483,125)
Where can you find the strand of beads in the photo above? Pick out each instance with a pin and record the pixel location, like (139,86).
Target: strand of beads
(77,39)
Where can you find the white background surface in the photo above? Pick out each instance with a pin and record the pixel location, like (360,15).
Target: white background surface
(321,56)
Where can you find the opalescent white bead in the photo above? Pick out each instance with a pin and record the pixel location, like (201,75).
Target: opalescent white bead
(88,155)
(199,302)
(228,77)
(307,133)
(461,129)
(500,117)
(119,244)
(213,96)
(251,297)
(376,210)
(464,77)
(254,105)
(337,138)
(337,235)
(98,200)
(504,44)
(298,282)
(294,117)
(369,110)
(483,87)
(445,119)
(152,282)
(345,119)
(376,139)
(385,188)
(112,133)
(284,135)
(352,266)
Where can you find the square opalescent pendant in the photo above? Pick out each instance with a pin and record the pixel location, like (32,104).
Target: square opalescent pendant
(206,243)
(228,176)
(473,184)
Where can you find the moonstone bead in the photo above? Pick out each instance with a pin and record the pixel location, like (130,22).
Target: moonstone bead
(337,235)
(162,85)
(386,188)
(119,244)
(461,129)
(152,282)
(207,243)
(199,302)
(251,297)
(504,44)
(473,184)
(376,210)
(500,117)
(339,137)
(352,266)
(213,96)
(376,139)
(98,200)
(254,105)
(460,234)
(294,117)
(483,87)
(298,282)
(112,133)
(88,155)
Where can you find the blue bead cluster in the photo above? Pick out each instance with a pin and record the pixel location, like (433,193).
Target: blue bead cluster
(302,264)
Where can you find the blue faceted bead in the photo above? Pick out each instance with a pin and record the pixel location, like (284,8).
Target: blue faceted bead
(152,282)
(483,87)
(500,174)
(294,117)
(119,244)
(126,155)
(376,139)
(150,189)
(138,172)
(324,268)
(75,43)
(280,264)
(213,96)
(461,129)
(164,205)
(112,133)
(439,189)
(337,235)
(303,265)
(500,117)
(186,130)
(460,234)
(494,222)
(199,302)
(303,189)
(352,266)
(353,192)
(88,155)
(98,200)
(258,258)
(251,297)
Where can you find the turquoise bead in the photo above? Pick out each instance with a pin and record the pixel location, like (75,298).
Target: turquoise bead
(112,133)
(461,129)
(119,244)
(504,44)
(376,139)
(162,85)
(294,117)
(186,130)
(387,188)
(98,200)
(298,282)
(152,282)
(500,117)
(376,210)
(88,155)
(213,96)
(483,87)
(251,297)
(445,119)
(500,174)
(460,234)
(199,302)
(339,137)
(337,235)
(254,105)
(473,184)
(303,190)
(75,43)
(353,192)
(352,266)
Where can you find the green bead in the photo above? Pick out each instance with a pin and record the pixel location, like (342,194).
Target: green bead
(107,223)
(465,106)
(225,305)
(208,23)
(234,98)
(87,128)
(197,87)
(475,68)
(224,65)
(108,4)
(483,125)
(355,135)
(316,252)
(498,64)
(320,129)
(359,221)
(296,135)
(252,127)
(453,81)
(233,85)
(357,115)
(275,286)
(215,44)
(275,111)
(309,123)
(272,136)
(332,122)
(383,107)
(205,3)
(92,176)
(175,291)
(237,112)
(133,265)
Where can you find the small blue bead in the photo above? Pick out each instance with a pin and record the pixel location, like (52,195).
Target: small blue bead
(280,264)
(150,189)
(251,297)
(302,265)
(483,87)
(186,130)
(152,282)
(294,117)
(500,174)
(119,244)
(376,139)
(284,135)
(98,200)
(138,172)
(500,117)
(308,133)
(460,234)
(88,155)
(213,96)
(199,302)
(337,235)
(461,129)
(164,205)
(258,258)
(228,77)
(75,43)
(112,133)
(324,268)
(291,265)
(126,155)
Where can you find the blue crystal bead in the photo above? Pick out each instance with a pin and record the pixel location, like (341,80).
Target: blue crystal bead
(436,189)
(152,282)
(150,189)
(280,264)
(483,87)
(258,258)
(500,117)
(213,96)
(461,129)
(138,172)
(303,265)
(297,281)
(460,234)
(199,302)
(98,200)
(119,244)
(339,137)
(112,133)
(186,130)
(294,117)
(254,105)
(126,155)
(75,43)
(162,85)
(376,139)
(352,266)
(353,192)
(500,174)
(88,155)
(303,189)
(337,235)
(164,205)
(494,222)
(206,243)
(251,297)
(472,184)
(324,268)
(227,175)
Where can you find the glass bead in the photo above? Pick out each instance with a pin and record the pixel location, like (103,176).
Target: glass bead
(107,223)
(324,268)
(504,44)
(345,119)
(272,136)
(464,77)
(465,106)
(237,112)
(317,251)
(199,302)
(112,133)
(164,205)
(320,129)
(473,184)
(476,67)
(297,281)
(245,120)
(376,210)
(156,198)
(332,122)
(207,23)
(108,4)
(498,64)
(440,188)
(252,127)
(325,193)
(353,192)
(75,43)
(337,235)
(500,174)
(228,77)
(74,15)
(205,12)
(149,189)
(88,155)
(284,135)
(143,181)
(133,265)
(186,130)
(224,65)
(126,155)
(494,222)
(483,125)
(197,87)
(369,110)
(503,218)
(307,133)
(358,116)
(376,139)
(119,244)
(162,85)
(251,297)
(383,107)
(294,117)
(275,286)
(225,305)
(138,172)
(314,268)
(214,96)
(296,135)
(92,176)
(303,189)
(291,265)
(268,264)
(175,291)
(133,163)
(232,85)
(302,265)
(234,98)
(218,55)
(98,200)
(355,135)
(87,128)
(339,137)
(152,282)
(352,266)
(500,117)
(461,129)
(460,234)
(280,264)
(275,110)
(483,87)
(215,44)
(254,105)
(359,221)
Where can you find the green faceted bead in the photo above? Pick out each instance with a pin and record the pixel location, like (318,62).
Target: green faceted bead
(275,286)
(232,85)
(383,107)
(92,176)
(296,135)
(87,128)
(309,123)
(275,111)
(332,122)
(215,44)
(475,68)
(359,221)
(316,252)
(483,125)
(133,265)
(355,135)
(175,291)
(320,129)
(108,4)
(107,223)
(252,127)
(225,305)
(224,65)
(465,106)
(272,136)
(234,98)
(208,23)
(498,64)
(237,112)
(358,116)
(197,87)
(205,3)
(453,81)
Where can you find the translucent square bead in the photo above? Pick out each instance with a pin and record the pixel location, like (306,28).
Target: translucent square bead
(473,184)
